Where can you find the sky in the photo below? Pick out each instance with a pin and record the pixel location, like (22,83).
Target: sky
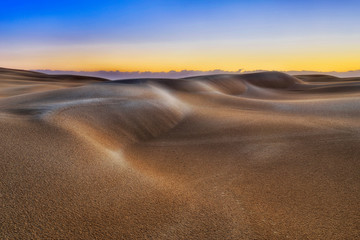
(175,35)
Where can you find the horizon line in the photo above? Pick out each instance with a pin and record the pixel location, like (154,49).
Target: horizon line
(118,74)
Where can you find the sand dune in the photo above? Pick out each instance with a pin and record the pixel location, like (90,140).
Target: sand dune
(252,156)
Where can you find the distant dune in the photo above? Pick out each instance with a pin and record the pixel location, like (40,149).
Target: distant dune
(245,156)
(115,75)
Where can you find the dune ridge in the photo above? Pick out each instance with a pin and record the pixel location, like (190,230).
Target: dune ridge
(248,156)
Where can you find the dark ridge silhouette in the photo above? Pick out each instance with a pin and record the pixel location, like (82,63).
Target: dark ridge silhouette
(36,76)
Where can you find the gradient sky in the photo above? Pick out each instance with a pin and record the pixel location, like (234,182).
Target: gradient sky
(157,35)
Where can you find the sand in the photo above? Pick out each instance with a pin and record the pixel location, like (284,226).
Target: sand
(252,156)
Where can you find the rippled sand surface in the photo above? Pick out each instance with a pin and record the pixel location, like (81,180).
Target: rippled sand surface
(253,156)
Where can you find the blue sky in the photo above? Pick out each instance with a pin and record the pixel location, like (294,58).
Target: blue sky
(178,31)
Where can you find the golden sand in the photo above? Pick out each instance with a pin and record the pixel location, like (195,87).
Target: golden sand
(253,156)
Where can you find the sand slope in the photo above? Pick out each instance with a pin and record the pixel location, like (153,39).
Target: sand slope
(253,156)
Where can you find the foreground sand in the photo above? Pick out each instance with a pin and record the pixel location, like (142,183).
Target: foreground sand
(258,156)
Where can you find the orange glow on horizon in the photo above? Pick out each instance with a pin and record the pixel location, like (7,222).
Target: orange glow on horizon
(201,56)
